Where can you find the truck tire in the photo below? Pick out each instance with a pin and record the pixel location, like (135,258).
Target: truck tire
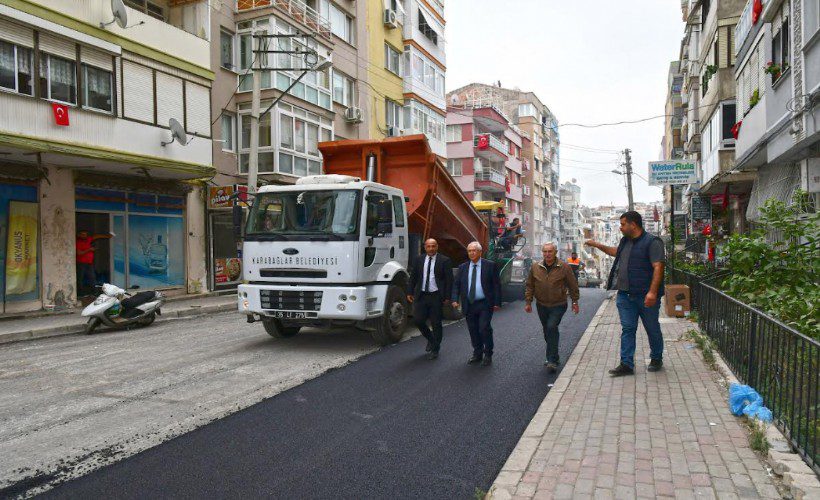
(389,328)
(276,330)
(450,313)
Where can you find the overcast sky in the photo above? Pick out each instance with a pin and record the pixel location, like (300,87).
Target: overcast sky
(589,61)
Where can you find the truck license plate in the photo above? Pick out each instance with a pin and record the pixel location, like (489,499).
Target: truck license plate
(288,315)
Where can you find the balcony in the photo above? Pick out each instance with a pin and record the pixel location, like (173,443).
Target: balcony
(297,9)
(490,147)
(490,180)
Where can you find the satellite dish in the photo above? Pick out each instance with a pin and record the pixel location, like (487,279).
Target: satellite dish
(120,15)
(177,133)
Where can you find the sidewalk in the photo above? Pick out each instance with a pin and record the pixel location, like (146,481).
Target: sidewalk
(657,435)
(12,330)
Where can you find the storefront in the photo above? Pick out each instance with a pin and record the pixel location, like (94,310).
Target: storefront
(225,269)
(19,244)
(142,241)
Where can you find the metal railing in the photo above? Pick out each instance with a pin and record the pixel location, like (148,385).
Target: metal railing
(494,142)
(297,9)
(490,175)
(779,362)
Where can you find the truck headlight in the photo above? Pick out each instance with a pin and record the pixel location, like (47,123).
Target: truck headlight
(352,298)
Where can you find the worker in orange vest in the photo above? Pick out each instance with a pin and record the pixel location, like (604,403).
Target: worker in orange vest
(575,264)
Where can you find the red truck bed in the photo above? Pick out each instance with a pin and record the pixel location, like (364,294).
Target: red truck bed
(437,207)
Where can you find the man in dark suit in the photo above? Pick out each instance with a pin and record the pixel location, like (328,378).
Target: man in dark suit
(431,283)
(478,287)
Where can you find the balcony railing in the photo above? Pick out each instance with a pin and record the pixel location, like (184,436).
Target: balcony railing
(491,176)
(494,142)
(297,9)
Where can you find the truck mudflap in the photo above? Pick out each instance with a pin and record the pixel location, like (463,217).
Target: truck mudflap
(296,303)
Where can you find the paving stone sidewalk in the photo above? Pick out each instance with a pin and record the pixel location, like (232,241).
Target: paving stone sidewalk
(668,434)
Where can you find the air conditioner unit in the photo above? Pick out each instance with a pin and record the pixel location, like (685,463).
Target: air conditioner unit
(391,20)
(353,115)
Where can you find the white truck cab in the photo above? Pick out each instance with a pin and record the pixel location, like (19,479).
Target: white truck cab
(329,250)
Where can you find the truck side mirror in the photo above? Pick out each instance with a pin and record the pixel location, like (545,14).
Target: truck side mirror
(238,220)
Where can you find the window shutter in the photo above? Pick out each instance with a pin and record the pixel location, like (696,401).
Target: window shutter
(138,89)
(169,99)
(16,33)
(62,47)
(198,104)
(95,58)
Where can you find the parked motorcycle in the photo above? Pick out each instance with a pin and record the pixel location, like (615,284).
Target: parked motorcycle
(116,308)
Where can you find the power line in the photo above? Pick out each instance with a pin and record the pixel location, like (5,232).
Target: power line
(625,122)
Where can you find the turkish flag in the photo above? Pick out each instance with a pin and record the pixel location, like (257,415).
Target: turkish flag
(507,183)
(60,114)
(483,141)
(757,9)
(655,215)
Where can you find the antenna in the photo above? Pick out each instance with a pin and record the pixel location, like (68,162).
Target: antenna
(120,16)
(177,133)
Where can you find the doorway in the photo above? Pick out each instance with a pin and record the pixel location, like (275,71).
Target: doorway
(95,224)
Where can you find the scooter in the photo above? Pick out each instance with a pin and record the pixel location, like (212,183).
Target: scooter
(116,308)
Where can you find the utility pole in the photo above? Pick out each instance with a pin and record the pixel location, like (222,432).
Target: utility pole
(628,166)
(253,160)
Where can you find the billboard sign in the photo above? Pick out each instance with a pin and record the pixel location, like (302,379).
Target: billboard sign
(664,173)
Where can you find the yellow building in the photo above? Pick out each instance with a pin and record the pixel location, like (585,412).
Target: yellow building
(384,87)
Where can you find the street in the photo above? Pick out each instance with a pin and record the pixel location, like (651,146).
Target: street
(392,424)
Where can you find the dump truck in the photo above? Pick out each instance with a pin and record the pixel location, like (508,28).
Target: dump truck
(334,249)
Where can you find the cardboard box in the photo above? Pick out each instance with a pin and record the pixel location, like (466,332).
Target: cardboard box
(678,300)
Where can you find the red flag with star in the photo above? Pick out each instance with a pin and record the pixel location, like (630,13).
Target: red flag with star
(60,114)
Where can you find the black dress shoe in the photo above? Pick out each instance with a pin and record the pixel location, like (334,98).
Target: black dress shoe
(621,370)
(552,367)
(655,365)
(432,355)
(474,359)
(487,361)
(429,347)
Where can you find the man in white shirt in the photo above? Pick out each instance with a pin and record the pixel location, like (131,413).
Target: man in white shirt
(431,281)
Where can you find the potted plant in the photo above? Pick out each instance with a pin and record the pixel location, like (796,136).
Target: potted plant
(754,99)
(774,70)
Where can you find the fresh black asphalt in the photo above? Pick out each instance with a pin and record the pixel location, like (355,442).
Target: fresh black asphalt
(391,425)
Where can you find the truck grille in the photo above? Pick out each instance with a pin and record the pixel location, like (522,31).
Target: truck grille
(290,300)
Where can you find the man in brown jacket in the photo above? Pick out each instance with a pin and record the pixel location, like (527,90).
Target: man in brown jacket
(549,282)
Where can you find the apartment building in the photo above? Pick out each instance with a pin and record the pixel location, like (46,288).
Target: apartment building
(484,156)
(86,107)
(778,88)
(385,68)
(540,154)
(572,220)
(672,145)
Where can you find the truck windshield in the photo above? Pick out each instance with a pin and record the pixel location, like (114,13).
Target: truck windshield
(296,215)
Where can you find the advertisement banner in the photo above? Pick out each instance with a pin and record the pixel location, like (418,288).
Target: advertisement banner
(664,173)
(226,196)
(21,248)
(227,270)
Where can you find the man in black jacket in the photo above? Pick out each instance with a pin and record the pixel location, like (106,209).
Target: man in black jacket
(431,282)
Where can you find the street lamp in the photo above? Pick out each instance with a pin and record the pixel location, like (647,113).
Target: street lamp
(616,171)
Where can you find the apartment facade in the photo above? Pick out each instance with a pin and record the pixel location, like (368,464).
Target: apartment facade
(86,145)
(673,146)
(572,220)
(540,154)
(484,156)
(778,88)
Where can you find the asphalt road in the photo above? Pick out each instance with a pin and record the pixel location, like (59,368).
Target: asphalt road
(391,425)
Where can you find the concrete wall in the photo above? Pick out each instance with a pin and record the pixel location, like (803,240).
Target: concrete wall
(197,254)
(58,235)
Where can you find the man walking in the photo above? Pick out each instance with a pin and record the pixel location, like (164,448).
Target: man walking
(478,287)
(549,282)
(637,274)
(431,282)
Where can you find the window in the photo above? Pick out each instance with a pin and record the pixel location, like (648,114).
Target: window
(226,53)
(729,117)
(398,210)
(97,89)
(421,118)
(429,75)
(379,215)
(393,114)
(343,89)
(15,68)
(228,124)
(454,167)
(341,24)
(527,109)
(58,79)
(392,59)
(780,46)
(418,68)
(427,30)
(149,8)
(453,133)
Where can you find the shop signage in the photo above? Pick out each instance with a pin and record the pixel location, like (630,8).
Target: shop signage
(227,270)
(223,196)
(679,224)
(664,173)
(21,256)
(701,208)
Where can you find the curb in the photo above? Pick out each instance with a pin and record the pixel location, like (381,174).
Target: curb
(513,469)
(78,328)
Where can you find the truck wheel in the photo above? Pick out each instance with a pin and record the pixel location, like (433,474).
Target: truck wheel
(389,328)
(92,324)
(450,313)
(276,330)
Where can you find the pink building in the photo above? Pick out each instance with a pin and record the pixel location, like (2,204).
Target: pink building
(484,156)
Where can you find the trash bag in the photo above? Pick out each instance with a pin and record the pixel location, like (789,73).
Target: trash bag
(740,396)
(763,414)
